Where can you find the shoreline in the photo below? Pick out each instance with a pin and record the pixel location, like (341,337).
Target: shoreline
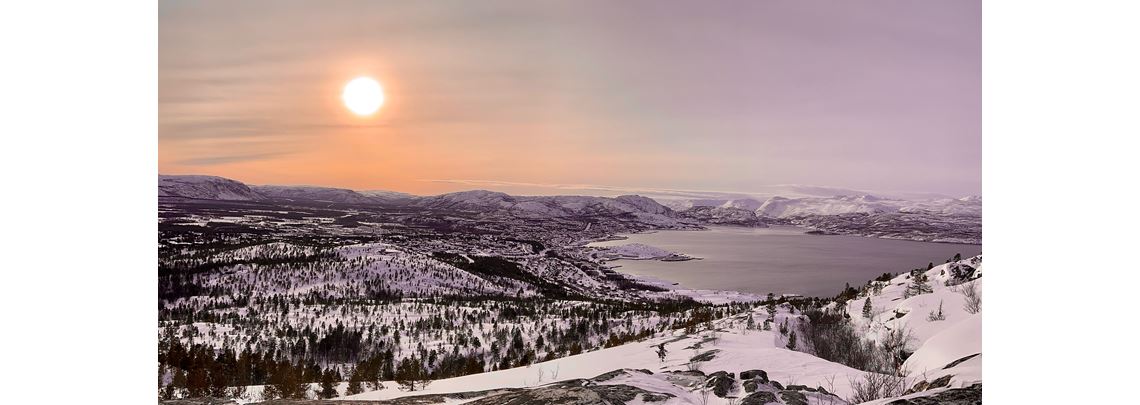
(658,279)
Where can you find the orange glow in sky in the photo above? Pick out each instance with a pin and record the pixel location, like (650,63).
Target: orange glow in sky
(639,94)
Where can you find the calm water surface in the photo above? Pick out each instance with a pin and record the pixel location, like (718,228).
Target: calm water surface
(781,259)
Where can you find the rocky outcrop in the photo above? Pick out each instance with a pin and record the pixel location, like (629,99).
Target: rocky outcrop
(971,395)
(721,383)
(199,401)
(706,356)
(760,375)
(793,397)
(759,398)
(575,392)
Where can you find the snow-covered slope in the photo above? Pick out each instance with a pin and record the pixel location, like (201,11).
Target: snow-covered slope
(205,187)
(326,194)
(780,207)
(729,347)
(743,203)
(939,345)
(551,206)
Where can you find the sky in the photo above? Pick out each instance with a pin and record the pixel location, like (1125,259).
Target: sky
(725,95)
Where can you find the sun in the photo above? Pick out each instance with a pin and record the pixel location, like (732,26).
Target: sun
(363,96)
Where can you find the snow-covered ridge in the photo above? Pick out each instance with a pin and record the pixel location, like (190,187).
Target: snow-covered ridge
(641,208)
(791,207)
(206,188)
(328,194)
(546,206)
(779,207)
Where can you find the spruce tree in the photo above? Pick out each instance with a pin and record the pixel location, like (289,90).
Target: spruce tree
(867,308)
(178,382)
(328,385)
(354,384)
(919,285)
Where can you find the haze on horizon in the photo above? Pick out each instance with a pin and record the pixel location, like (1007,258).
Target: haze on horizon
(879,96)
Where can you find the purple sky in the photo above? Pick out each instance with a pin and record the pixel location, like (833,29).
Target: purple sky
(725,95)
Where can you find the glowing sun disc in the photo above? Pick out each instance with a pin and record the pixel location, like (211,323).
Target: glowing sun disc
(363,96)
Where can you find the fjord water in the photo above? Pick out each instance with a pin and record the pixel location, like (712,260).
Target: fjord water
(780,259)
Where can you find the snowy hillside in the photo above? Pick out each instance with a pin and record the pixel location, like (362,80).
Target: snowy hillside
(641,208)
(721,363)
(942,324)
(727,363)
(205,187)
(323,194)
(780,207)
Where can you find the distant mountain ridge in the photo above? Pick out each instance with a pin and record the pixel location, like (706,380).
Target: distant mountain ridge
(737,210)
(205,188)
(219,188)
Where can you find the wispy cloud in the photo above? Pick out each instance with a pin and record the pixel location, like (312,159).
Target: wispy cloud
(220,160)
(762,191)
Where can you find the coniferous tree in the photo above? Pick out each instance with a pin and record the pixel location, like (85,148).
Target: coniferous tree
(328,384)
(354,384)
(792,341)
(197,382)
(919,285)
(410,374)
(178,382)
(867,308)
(771,307)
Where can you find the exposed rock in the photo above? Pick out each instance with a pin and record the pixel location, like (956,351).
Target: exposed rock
(759,398)
(954,396)
(687,379)
(757,373)
(941,381)
(614,374)
(793,397)
(574,392)
(721,382)
(706,356)
(960,361)
(199,401)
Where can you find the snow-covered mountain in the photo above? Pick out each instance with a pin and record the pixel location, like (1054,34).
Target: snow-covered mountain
(742,203)
(385,195)
(638,208)
(548,206)
(326,194)
(780,207)
(205,188)
(931,219)
(723,215)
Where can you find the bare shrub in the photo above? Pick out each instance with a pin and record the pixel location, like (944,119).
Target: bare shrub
(834,339)
(895,345)
(873,386)
(936,316)
(705,395)
(973,297)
